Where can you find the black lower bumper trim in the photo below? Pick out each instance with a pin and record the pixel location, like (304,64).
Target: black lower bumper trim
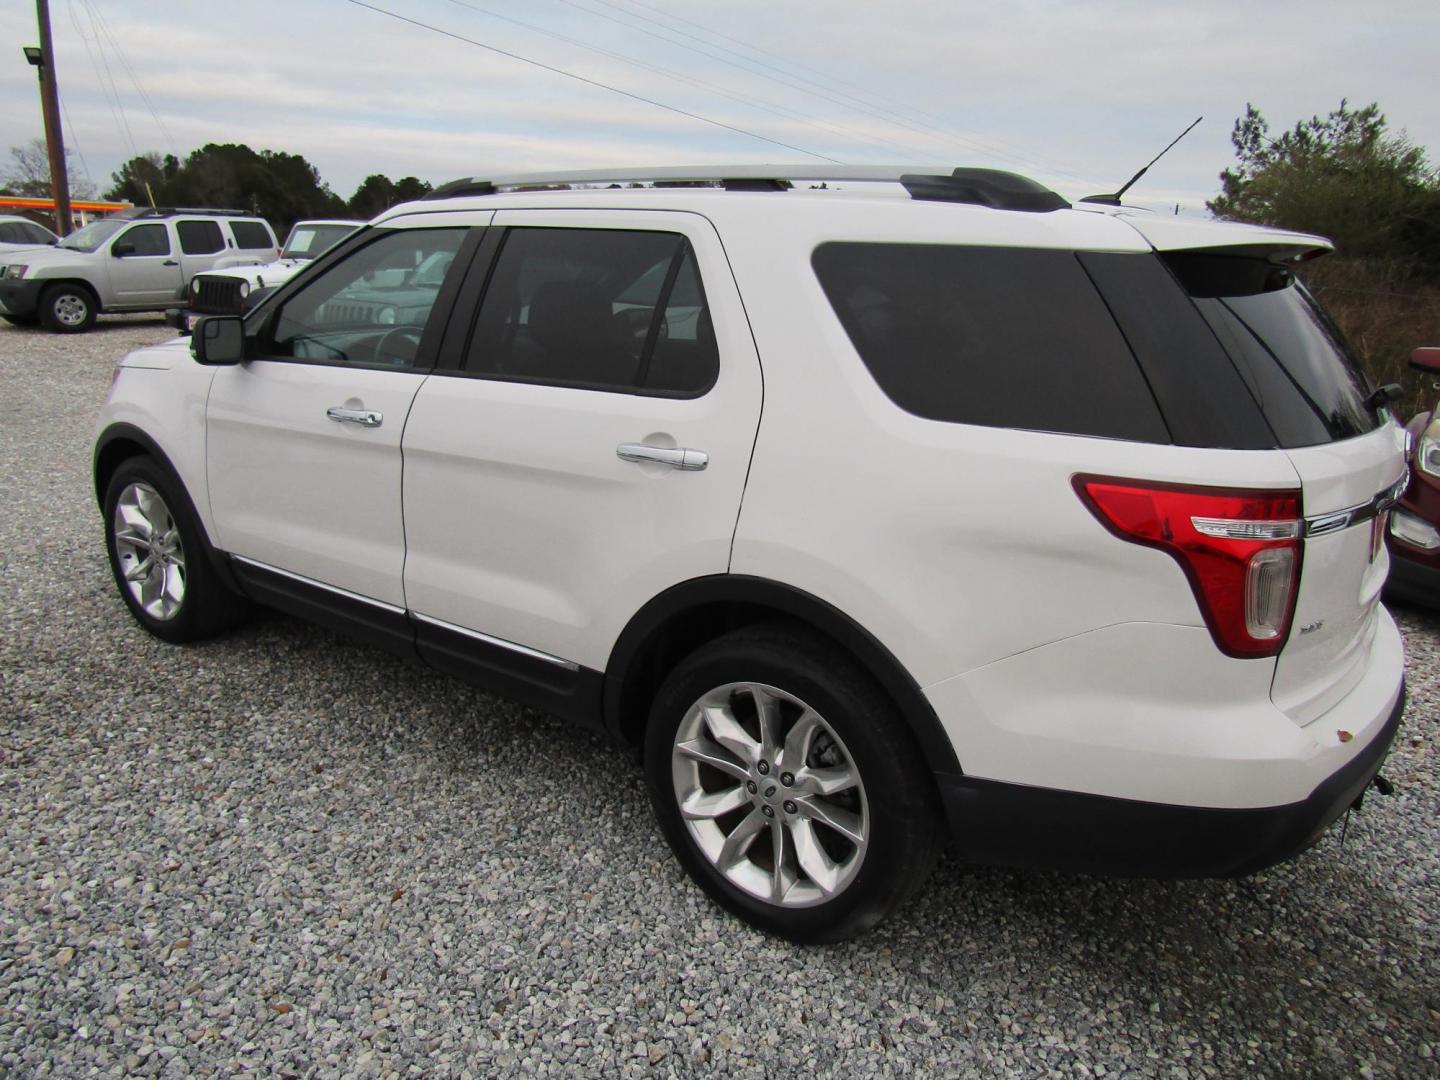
(1014,825)
(1411,581)
(20,298)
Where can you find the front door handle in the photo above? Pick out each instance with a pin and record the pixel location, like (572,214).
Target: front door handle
(676,457)
(364,417)
(170,262)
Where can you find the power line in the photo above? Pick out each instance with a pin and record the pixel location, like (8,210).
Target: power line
(668,73)
(108,89)
(784,79)
(134,79)
(592,82)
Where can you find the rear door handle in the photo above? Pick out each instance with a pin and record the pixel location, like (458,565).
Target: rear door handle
(364,417)
(170,262)
(676,457)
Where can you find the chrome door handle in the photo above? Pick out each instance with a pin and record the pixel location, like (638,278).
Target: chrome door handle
(676,457)
(363,417)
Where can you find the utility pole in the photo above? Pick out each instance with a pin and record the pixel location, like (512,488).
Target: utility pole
(44,59)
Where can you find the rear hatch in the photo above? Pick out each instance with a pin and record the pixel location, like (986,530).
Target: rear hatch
(1347,454)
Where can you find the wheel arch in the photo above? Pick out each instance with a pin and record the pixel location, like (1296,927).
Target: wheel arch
(119,443)
(49,283)
(685,616)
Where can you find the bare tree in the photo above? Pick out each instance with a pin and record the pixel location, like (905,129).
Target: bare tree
(29,173)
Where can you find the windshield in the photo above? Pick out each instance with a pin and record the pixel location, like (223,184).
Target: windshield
(93,235)
(307,239)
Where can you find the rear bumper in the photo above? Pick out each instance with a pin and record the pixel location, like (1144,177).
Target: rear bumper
(1016,825)
(20,298)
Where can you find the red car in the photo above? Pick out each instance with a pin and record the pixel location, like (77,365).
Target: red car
(1415,521)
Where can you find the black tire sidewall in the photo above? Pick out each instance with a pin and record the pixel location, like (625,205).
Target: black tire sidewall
(54,293)
(904,829)
(202,587)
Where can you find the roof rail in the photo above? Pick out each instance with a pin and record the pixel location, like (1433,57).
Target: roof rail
(984,187)
(171,211)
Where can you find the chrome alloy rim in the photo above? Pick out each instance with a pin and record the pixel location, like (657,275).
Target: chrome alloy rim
(770,794)
(71,309)
(147,547)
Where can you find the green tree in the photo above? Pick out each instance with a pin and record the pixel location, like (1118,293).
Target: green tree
(144,177)
(1343,176)
(378,192)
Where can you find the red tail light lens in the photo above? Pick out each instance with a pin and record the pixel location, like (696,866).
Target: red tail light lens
(1240,549)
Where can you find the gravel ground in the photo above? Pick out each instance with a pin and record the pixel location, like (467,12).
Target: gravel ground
(282,854)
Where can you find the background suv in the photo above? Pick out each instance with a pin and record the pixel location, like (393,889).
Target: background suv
(136,260)
(900,509)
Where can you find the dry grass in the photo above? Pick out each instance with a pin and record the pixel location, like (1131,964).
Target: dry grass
(1385,314)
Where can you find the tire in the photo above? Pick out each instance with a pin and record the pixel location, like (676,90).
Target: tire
(149,521)
(850,857)
(67,308)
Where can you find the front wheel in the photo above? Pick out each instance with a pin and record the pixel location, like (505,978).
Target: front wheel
(788,786)
(67,308)
(156,555)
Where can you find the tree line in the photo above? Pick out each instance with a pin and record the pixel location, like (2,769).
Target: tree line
(1348,177)
(281,187)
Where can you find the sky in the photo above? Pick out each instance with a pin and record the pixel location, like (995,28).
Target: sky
(1078,94)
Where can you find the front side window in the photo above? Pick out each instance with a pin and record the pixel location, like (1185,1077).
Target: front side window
(371,308)
(199,237)
(1000,337)
(598,309)
(145,240)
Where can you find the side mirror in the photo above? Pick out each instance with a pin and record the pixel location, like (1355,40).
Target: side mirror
(121,250)
(1426,359)
(218,340)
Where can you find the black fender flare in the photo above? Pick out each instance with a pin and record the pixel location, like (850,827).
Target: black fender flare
(773,598)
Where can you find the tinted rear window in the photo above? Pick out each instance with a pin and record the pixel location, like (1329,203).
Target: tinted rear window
(251,234)
(1000,337)
(1295,361)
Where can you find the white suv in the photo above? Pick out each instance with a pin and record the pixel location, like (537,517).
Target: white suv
(881,509)
(236,289)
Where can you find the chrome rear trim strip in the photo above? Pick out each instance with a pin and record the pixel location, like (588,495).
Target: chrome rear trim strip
(1323,524)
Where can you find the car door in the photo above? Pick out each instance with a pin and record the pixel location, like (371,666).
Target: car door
(200,242)
(144,270)
(303,440)
(587,446)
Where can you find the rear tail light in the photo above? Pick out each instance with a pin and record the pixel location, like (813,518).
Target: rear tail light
(1239,549)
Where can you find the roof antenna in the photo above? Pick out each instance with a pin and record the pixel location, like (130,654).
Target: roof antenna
(1114,200)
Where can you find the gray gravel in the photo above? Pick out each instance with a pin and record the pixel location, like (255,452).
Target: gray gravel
(286,854)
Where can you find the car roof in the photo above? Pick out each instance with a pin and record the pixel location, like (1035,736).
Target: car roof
(866,203)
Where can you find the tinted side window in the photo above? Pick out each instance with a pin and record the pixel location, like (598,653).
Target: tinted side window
(371,308)
(595,309)
(251,234)
(34,234)
(146,240)
(10,233)
(1204,397)
(199,237)
(1001,337)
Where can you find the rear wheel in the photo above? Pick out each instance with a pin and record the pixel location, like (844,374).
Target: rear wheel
(68,308)
(788,785)
(160,566)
